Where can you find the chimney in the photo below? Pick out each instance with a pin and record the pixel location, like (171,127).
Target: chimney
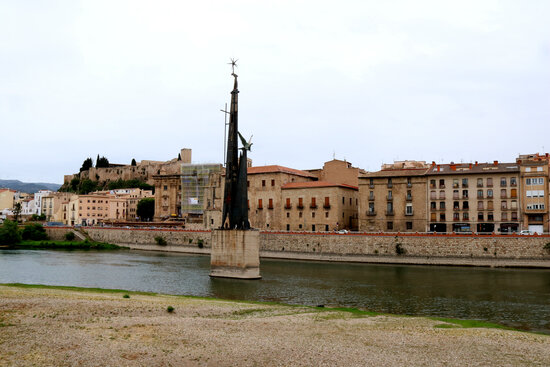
(495,163)
(453,166)
(433,163)
(476,163)
(438,167)
(470,166)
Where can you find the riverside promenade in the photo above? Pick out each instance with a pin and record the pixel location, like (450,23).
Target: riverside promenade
(390,248)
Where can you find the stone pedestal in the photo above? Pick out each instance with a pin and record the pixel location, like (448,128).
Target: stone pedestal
(235,254)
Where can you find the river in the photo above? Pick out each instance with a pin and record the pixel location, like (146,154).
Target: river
(519,298)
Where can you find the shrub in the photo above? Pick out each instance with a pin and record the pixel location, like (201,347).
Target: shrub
(69,236)
(170,309)
(34,232)
(547,247)
(399,250)
(9,233)
(200,243)
(160,241)
(126,296)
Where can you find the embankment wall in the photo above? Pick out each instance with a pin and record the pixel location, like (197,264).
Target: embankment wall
(490,250)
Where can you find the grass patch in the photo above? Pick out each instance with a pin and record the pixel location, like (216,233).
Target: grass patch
(67,245)
(468,324)
(77,289)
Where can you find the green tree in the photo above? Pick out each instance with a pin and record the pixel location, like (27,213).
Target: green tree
(9,233)
(101,162)
(17,211)
(34,231)
(87,164)
(73,185)
(179,156)
(87,186)
(146,209)
(134,162)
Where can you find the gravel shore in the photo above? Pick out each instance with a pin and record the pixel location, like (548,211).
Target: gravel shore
(53,327)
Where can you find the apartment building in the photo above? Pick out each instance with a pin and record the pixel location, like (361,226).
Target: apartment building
(394,198)
(534,178)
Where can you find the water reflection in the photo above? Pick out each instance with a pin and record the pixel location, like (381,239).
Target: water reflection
(515,297)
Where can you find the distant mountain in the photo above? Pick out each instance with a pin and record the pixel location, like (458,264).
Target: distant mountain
(29,187)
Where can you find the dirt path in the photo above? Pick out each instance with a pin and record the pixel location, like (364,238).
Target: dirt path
(51,327)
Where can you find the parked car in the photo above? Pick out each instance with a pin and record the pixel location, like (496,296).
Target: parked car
(525,232)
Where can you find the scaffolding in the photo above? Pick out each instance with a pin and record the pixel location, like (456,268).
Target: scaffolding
(195,178)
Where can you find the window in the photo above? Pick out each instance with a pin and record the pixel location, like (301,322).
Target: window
(313,203)
(312,214)
(433,217)
(455,183)
(455,194)
(480,205)
(442,194)
(464,194)
(409,195)
(390,195)
(489,182)
(287,205)
(442,205)
(504,216)
(260,204)
(465,205)
(272,182)
(490,205)
(389,225)
(326,227)
(409,225)
(513,193)
(433,205)
(480,193)
(528,169)
(490,217)
(326,214)
(263,183)
(456,205)
(479,182)
(441,183)
(464,182)
(514,204)
(432,195)
(514,215)
(389,208)
(539,169)
(456,216)
(503,193)
(288,227)
(300,215)
(442,217)
(313,227)
(371,183)
(165,188)
(432,184)
(513,181)
(465,216)
(300,203)
(327,202)
(409,209)
(528,181)
(287,214)
(502,181)
(371,195)
(390,182)
(489,193)
(343,200)
(504,205)
(480,216)
(270,205)
(409,182)
(247,183)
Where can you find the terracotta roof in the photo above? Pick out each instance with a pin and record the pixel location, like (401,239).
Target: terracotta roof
(312,184)
(278,169)
(396,173)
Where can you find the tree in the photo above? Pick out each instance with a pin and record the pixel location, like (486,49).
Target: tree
(34,232)
(134,162)
(73,185)
(87,164)
(87,186)
(16,211)
(9,233)
(101,162)
(179,156)
(146,209)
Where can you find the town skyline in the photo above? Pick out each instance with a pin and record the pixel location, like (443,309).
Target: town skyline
(365,82)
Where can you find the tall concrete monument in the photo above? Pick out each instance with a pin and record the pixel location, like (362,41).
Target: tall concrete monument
(235,246)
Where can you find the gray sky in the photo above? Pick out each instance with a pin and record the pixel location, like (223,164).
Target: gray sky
(368,81)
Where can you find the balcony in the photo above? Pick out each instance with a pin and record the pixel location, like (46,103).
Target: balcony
(389,197)
(371,186)
(371,213)
(326,206)
(390,185)
(409,184)
(300,206)
(390,212)
(409,213)
(288,206)
(409,198)
(371,198)
(313,206)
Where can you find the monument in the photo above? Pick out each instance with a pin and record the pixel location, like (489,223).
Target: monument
(235,246)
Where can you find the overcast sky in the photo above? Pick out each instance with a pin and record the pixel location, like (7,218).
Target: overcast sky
(366,81)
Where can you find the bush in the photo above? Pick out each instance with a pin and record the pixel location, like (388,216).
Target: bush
(9,233)
(69,236)
(126,296)
(34,232)
(170,309)
(547,247)
(160,241)
(200,243)
(399,250)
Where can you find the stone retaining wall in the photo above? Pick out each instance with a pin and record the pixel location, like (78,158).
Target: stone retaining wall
(497,250)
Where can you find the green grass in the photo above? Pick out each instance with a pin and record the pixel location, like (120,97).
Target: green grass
(467,324)
(67,245)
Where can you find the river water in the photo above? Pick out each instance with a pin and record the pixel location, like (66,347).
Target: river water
(518,298)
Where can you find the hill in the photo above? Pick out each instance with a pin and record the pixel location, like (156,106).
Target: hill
(29,187)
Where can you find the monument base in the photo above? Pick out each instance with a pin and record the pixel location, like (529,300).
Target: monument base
(235,254)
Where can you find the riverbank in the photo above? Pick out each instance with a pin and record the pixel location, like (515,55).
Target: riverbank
(63,327)
(65,245)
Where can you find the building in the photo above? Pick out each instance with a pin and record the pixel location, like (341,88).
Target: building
(7,198)
(394,198)
(534,188)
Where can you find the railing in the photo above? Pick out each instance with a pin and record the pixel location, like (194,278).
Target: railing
(390,212)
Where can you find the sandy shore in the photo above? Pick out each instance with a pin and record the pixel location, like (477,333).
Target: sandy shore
(52,327)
